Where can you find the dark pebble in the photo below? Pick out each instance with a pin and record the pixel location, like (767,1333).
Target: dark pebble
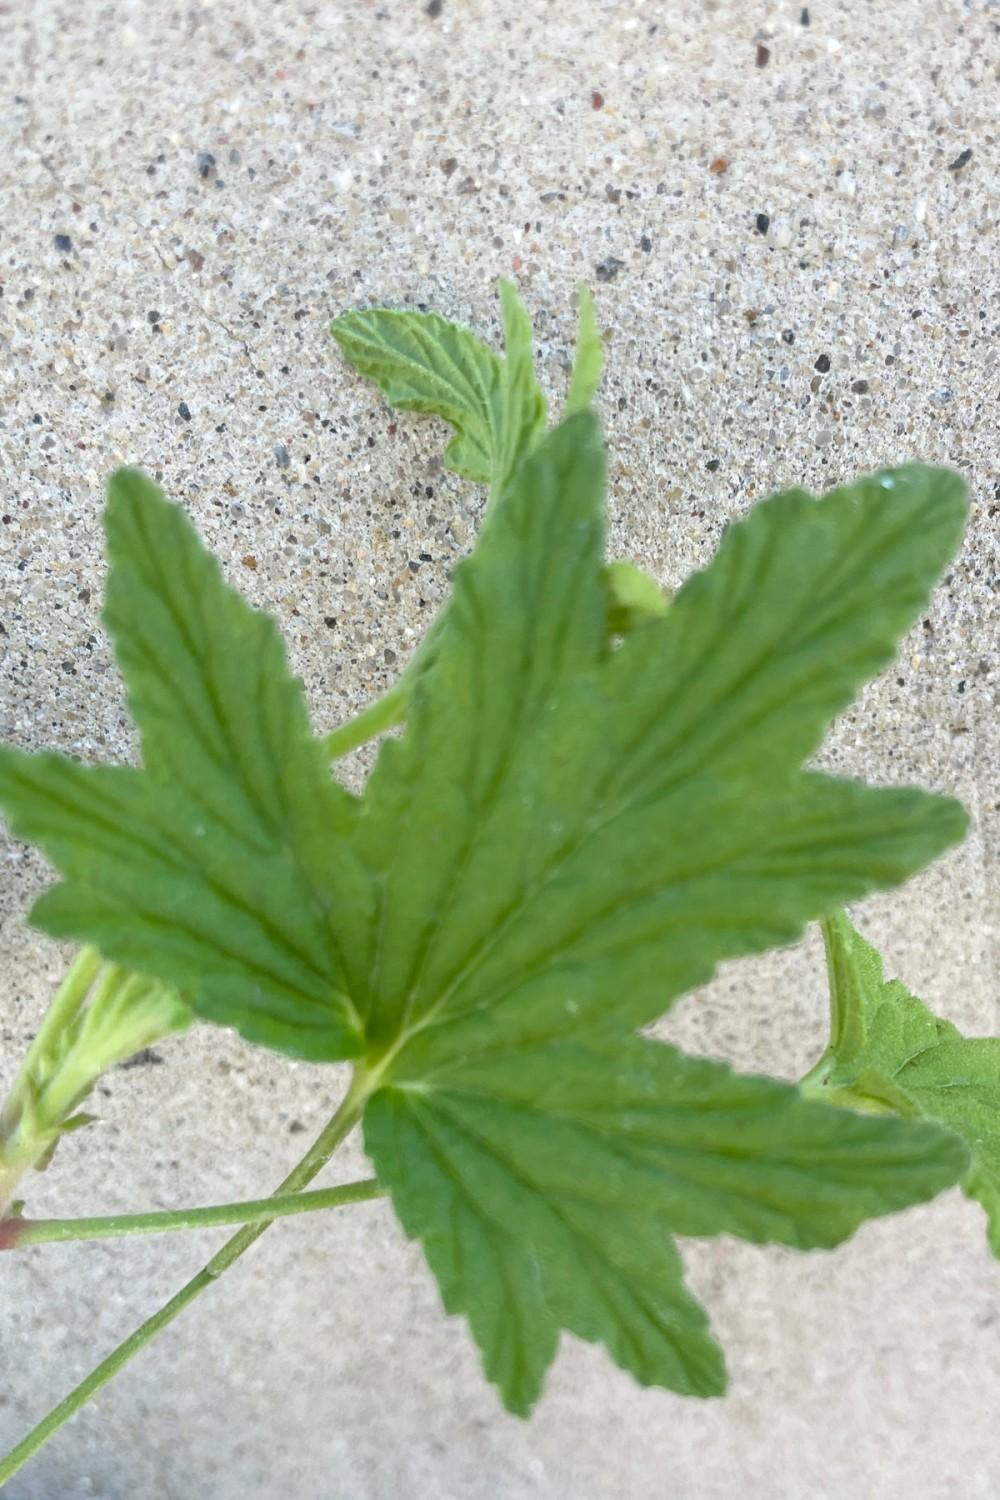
(822,364)
(329,621)
(183,410)
(434,8)
(206,163)
(596,99)
(763,223)
(961,160)
(608,268)
(804,16)
(63,243)
(763,55)
(281,457)
(152,317)
(712,465)
(787,336)
(961,686)
(859,387)
(646,243)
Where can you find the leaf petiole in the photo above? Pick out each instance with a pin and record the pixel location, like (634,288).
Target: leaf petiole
(385,713)
(319,1153)
(15,1234)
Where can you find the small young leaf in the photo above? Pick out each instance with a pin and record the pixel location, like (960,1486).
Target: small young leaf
(588,361)
(545,1183)
(421,362)
(223,865)
(895,1051)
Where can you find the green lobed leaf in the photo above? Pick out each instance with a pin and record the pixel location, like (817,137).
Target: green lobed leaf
(223,865)
(568,838)
(545,1182)
(896,1052)
(562,825)
(421,362)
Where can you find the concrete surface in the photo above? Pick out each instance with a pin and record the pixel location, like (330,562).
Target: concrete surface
(229,176)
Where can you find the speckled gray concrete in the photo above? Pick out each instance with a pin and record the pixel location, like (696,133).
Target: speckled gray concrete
(230,175)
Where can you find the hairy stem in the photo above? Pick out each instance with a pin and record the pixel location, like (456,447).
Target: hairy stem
(314,1160)
(17,1233)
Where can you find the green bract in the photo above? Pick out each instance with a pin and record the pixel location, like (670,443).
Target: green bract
(571,833)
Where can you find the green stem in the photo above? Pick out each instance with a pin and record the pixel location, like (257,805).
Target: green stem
(16,1233)
(814,1086)
(385,713)
(391,709)
(314,1160)
(813,1081)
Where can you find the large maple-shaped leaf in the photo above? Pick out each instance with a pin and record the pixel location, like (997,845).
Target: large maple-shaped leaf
(545,1180)
(566,839)
(603,827)
(887,1047)
(222,866)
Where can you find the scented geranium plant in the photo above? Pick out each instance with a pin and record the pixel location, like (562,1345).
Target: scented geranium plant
(596,795)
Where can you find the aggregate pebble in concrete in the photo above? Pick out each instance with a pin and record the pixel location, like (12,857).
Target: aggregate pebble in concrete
(789,217)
